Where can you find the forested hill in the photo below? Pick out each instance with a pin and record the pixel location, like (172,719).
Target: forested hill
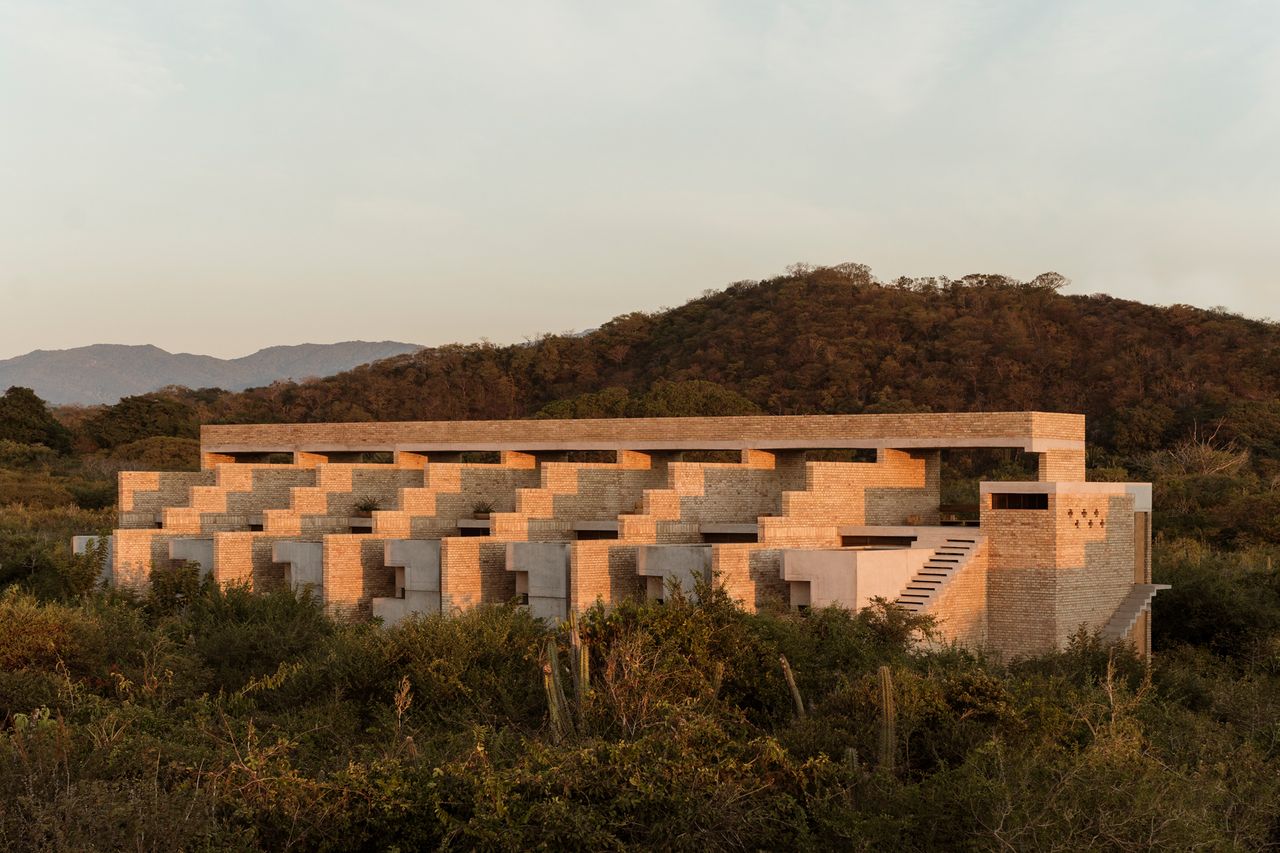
(835,340)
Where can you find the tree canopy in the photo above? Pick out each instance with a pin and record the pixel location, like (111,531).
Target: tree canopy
(25,419)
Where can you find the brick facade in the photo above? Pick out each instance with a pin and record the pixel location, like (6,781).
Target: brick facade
(1035,576)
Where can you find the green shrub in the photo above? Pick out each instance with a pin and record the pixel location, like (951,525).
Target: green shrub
(1226,603)
(14,454)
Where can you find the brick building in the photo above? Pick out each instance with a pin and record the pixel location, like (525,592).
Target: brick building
(390,519)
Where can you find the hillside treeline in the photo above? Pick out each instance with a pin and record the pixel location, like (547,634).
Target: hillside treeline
(833,340)
(1181,396)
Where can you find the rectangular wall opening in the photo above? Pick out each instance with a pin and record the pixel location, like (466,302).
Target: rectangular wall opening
(1019,500)
(582,535)
(964,468)
(861,455)
(729,538)
(360,457)
(877,541)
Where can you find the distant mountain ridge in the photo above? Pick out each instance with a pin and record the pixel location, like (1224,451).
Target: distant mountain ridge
(103,373)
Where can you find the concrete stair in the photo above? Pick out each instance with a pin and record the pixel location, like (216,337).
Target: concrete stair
(1135,603)
(947,560)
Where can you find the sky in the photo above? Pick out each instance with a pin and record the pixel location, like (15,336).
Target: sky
(221,176)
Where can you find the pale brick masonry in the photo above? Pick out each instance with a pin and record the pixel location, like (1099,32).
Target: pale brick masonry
(1049,555)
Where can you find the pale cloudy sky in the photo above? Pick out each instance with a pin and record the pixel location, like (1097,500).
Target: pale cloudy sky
(221,176)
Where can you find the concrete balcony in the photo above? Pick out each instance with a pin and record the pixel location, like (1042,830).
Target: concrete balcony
(681,565)
(542,577)
(417,569)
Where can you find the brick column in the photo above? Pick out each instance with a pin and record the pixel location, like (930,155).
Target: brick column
(1059,466)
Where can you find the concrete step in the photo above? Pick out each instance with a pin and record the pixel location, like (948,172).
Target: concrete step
(1134,605)
(928,582)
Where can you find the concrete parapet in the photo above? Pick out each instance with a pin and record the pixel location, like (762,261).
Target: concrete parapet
(541,572)
(417,579)
(197,550)
(82,545)
(683,566)
(304,565)
(848,577)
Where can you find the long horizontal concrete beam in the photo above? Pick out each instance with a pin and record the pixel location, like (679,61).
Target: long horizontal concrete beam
(1034,432)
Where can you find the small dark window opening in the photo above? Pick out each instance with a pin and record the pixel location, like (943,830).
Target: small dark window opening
(595,534)
(713,457)
(1015,500)
(473,531)
(590,457)
(729,538)
(873,541)
(861,455)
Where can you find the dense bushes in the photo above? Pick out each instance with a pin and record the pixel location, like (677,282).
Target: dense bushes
(208,718)
(25,419)
(135,419)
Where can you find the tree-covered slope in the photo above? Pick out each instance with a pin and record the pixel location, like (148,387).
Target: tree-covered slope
(835,340)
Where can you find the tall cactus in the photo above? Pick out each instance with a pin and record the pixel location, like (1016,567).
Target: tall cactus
(717,678)
(791,682)
(579,662)
(888,720)
(561,722)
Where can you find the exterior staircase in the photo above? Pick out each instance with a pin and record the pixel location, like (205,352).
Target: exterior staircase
(946,561)
(1134,604)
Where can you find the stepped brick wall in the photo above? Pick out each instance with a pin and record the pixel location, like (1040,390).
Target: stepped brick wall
(327,502)
(578,491)
(245,558)
(354,574)
(750,574)
(697,493)
(602,570)
(134,552)
(239,493)
(473,571)
(896,487)
(451,492)
(144,494)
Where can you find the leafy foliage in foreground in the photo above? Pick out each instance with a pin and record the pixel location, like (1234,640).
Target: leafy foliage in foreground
(203,718)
